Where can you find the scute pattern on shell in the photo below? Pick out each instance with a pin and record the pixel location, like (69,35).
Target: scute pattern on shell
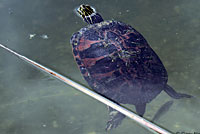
(118,63)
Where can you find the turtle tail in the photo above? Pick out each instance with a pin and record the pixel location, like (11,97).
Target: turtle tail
(172,93)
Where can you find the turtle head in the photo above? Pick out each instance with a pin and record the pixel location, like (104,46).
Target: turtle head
(88,14)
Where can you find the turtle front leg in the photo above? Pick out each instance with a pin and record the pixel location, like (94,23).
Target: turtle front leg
(115,119)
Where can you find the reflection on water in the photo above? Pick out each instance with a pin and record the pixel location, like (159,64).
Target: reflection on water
(32,102)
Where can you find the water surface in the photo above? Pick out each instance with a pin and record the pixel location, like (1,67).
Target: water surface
(33,102)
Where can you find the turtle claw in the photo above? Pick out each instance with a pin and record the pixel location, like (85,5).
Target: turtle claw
(109,126)
(115,120)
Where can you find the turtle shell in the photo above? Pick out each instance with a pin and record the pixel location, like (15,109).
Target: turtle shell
(118,63)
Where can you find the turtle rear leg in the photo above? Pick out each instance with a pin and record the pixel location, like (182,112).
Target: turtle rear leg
(172,93)
(115,119)
(140,109)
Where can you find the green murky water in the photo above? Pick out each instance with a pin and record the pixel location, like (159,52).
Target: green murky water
(33,102)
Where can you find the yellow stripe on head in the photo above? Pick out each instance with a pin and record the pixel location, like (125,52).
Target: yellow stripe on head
(85,10)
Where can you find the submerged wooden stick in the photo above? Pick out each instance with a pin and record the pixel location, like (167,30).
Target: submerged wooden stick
(145,123)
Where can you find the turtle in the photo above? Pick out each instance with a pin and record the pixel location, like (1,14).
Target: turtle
(118,63)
